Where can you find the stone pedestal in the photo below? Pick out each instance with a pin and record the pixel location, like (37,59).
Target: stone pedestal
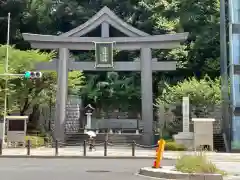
(203,133)
(185,138)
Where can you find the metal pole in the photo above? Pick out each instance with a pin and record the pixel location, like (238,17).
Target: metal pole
(224,70)
(56,147)
(84,148)
(6,80)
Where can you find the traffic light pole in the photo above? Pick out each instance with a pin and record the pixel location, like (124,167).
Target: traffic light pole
(8,74)
(6,81)
(36,75)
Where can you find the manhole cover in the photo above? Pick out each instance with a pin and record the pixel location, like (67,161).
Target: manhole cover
(98,171)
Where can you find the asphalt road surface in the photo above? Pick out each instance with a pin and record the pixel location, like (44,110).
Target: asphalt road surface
(73,169)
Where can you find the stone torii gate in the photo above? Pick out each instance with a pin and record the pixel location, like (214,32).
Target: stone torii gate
(103,47)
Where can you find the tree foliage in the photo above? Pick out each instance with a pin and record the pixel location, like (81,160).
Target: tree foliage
(25,94)
(107,94)
(198,17)
(198,56)
(203,94)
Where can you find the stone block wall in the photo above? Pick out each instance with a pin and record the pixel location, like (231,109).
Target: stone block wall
(73,114)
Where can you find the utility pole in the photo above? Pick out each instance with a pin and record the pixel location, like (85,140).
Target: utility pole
(224,71)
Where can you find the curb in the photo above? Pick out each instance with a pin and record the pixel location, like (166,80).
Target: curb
(100,157)
(212,159)
(175,175)
(75,157)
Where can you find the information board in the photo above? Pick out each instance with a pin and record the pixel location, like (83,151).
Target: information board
(16,128)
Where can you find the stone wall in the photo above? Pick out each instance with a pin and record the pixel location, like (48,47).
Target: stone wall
(73,114)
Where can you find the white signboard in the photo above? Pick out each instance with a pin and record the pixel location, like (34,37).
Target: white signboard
(185,113)
(16,128)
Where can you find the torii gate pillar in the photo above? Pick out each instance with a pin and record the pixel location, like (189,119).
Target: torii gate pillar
(147,94)
(62,89)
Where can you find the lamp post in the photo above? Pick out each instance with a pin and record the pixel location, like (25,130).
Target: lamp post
(224,72)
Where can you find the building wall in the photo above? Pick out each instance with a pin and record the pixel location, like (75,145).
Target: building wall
(234,38)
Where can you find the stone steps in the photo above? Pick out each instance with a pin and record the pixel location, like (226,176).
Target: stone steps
(116,139)
(218,142)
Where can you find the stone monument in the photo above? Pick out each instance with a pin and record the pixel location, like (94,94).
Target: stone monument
(185,137)
(73,113)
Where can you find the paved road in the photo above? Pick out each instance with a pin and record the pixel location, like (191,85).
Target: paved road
(73,169)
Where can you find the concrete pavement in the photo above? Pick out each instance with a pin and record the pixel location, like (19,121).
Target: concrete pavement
(99,169)
(73,169)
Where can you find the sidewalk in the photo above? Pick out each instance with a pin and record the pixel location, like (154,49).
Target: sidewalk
(77,152)
(116,152)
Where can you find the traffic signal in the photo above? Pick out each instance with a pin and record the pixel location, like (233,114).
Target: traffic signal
(32,75)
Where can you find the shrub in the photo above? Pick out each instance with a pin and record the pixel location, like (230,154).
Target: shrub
(173,146)
(36,141)
(197,163)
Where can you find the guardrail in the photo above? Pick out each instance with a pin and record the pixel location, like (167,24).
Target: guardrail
(56,145)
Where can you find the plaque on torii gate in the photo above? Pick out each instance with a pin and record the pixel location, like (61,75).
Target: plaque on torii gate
(104,54)
(135,40)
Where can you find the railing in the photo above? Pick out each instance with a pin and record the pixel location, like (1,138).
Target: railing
(56,145)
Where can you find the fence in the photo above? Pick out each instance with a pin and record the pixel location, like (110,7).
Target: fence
(83,147)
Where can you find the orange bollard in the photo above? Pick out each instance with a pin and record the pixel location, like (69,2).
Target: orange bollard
(161,146)
(154,163)
(159,154)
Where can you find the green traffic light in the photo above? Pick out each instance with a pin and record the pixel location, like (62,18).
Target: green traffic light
(27,74)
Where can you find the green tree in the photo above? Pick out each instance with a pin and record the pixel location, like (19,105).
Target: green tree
(115,92)
(203,94)
(199,55)
(21,91)
(26,95)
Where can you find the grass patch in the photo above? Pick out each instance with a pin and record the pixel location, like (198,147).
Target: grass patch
(173,146)
(197,163)
(36,141)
